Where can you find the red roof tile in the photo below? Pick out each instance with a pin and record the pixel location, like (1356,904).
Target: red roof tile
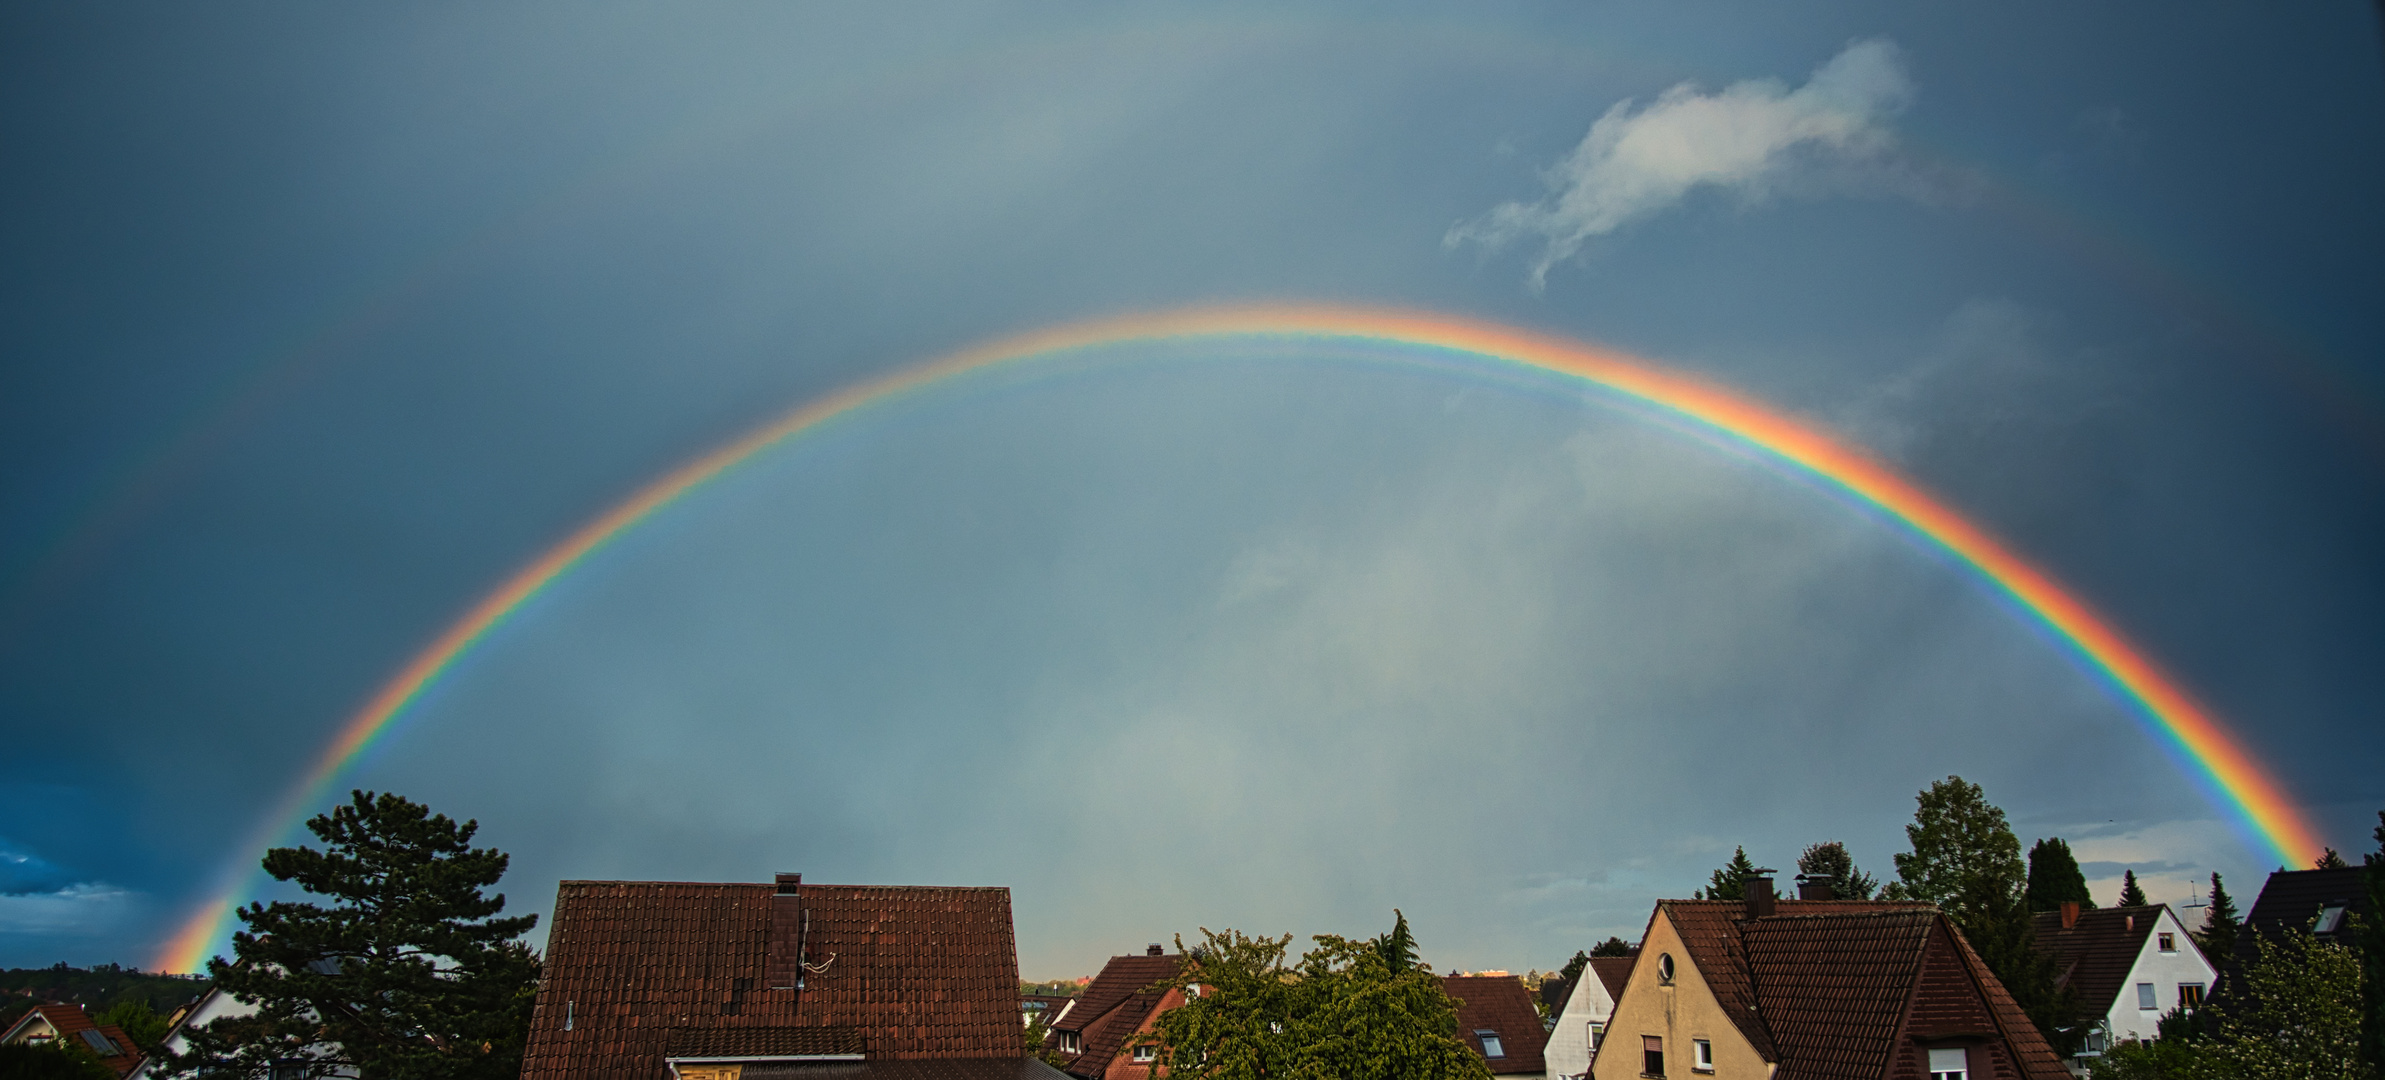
(1613,972)
(1113,1006)
(2094,957)
(70,1021)
(635,967)
(1499,1003)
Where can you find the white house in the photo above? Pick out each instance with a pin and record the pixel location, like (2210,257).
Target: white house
(215,1005)
(2129,965)
(1582,1022)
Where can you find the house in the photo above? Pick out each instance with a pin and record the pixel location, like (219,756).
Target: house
(214,1005)
(1092,1030)
(2128,966)
(1496,1019)
(1041,1006)
(53,1022)
(1809,989)
(2314,900)
(1582,1020)
(665,980)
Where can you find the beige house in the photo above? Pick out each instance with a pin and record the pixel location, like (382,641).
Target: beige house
(1771,989)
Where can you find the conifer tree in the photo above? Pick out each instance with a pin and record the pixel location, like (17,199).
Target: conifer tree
(2220,924)
(408,975)
(1829,859)
(1613,946)
(2131,894)
(2054,877)
(1730,882)
(2331,859)
(1398,947)
(1573,968)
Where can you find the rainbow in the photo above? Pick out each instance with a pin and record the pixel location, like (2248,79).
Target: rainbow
(2234,778)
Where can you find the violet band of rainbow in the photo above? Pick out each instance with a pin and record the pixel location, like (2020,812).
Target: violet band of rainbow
(2243,786)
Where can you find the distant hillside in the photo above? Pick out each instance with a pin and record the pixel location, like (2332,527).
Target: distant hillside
(94,989)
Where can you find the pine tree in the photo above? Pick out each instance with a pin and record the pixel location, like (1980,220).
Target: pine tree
(1573,968)
(2131,894)
(408,975)
(1398,948)
(1830,860)
(1958,838)
(1730,882)
(2331,859)
(2220,925)
(2054,877)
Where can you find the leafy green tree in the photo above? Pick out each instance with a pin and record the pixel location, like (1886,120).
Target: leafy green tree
(1343,1013)
(2220,924)
(1830,860)
(2054,876)
(2372,957)
(408,975)
(1958,839)
(133,1015)
(1613,946)
(2161,1059)
(2131,893)
(1999,926)
(1730,882)
(2299,1017)
(58,1059)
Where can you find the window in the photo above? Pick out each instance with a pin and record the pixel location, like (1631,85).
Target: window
(2168,942)
(1652,1055)
(2331,918)
(1701,1055)
(2190,995)
(1490,1044)
(1068,1043)
(2145,998)
(1664,967)
(2096,1042)
(1598,1034)
(1146,1052)
(1950,1064)
(289,1069)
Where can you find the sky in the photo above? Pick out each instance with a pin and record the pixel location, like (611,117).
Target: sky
(317,323)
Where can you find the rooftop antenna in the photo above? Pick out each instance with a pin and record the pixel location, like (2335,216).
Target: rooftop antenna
(2194,897)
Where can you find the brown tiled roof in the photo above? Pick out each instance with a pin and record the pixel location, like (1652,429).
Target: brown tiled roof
(1499,1003)
(1831,989)
(2291,898)
(71,1022)
(1113,1006)
(762,1042)
(1614,972)
(2095,956)
(1710,930)
(2038,1060)
(635,967)
(1019,1068)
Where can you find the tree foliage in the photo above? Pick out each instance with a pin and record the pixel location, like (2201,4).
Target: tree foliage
(2054,876)
(2131,893)
(1959,840)
(1573,968)
(57,1059)
(2220,924)
(408,975)
(133,1015)
(2372,957)
(2299,1017)
(1730,882)
(1613,946)
(1829,859)
(2331,859)
(1341,1013)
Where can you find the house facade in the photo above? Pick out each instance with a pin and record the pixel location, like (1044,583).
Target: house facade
(1581,1023)
(68,1023)
(1768,989)
(1497,1020)
(1091,1032)
(2128,966)
(755,981)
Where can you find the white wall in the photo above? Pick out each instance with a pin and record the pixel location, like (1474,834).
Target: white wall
(1568,1052)
(2165,970)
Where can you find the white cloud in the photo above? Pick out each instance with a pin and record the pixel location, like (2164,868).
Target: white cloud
(1747,138)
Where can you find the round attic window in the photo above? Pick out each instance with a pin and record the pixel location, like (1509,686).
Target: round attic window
(1664,967)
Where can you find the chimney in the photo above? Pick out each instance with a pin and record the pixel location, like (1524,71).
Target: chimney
(2070,914)
(782,964)
(1814,888)
(1759,894)
(1153,949)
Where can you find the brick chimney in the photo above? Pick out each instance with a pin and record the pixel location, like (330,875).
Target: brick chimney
(2070,914)
(1153,949)
(1759,894)
(782,965)
(1814,888)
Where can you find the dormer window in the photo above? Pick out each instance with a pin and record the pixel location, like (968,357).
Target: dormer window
(2167,942)
(1952,1063)
(1145,1053)
(1069,1043)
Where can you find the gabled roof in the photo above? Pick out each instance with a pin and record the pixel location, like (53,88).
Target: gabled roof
(1613,972)
(1113,1006)
(2291,898)
(2095,956)
(1499,1003)
(638,970)
(1835,988)
(71,1022)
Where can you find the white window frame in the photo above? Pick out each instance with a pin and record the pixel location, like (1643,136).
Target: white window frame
(1146,1053)
(1942,1055)
(2148,999)
(1701,1055)
(1491,1046)
(2166,942)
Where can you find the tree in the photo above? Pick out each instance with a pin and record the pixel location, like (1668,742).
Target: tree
(2220,924)
(1958,839)
(2054,877)
(1342,1012)
(2299,1018)
(1398,948)
(408,975)
(1613,946)
(138,1021)
(59,1059)
(1730,882)
(2131,893)
(2331,860)
(1830,860)
(1573,968)
(2372,958)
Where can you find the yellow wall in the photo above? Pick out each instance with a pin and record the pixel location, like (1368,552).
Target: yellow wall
(1678,1013)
